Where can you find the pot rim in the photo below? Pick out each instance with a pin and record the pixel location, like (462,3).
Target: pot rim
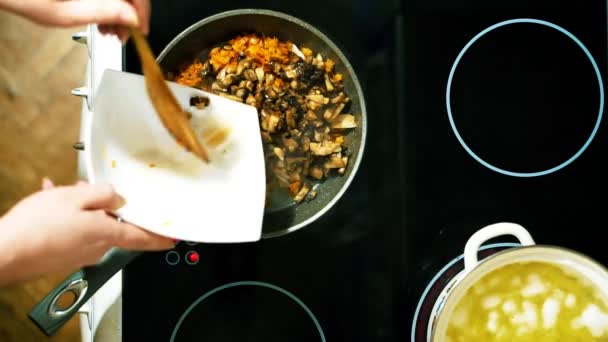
(345,63)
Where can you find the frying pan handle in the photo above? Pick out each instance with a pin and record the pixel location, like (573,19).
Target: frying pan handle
(47,314)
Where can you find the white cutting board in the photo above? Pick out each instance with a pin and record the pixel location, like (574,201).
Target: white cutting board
(168,190)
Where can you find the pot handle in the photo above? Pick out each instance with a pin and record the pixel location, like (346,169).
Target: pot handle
(490,232)
(49,317)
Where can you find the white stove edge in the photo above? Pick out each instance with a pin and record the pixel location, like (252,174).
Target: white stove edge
(104,52)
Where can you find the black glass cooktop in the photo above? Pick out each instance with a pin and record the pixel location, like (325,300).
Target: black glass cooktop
(478,111)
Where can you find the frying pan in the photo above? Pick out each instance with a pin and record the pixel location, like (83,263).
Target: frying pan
(283,216)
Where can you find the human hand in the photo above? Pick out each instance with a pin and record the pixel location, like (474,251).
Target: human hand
(61,229)
(113,16)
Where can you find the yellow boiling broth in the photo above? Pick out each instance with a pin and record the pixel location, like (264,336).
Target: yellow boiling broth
(529,302)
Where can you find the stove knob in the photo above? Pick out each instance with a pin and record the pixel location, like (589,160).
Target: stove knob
(80,37)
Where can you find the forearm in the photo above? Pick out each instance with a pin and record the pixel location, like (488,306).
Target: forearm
(15,6)
(10,268)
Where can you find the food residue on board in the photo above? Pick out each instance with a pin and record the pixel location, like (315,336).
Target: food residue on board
(302,105)
(216,137)
(152,165)
(200,102)
(113,164)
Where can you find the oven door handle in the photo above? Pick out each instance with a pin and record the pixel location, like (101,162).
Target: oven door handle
(49,317)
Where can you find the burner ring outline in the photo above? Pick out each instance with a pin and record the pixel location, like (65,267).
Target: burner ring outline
(249,283)
(438,275)
(449,106)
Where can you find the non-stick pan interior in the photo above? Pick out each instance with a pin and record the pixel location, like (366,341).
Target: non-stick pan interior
(285,216)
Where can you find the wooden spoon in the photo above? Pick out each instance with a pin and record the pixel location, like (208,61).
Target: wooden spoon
(168,109)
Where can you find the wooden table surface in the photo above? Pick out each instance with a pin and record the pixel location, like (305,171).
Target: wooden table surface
(39,121)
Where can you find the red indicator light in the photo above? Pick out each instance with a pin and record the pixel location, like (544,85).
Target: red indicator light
(193,257)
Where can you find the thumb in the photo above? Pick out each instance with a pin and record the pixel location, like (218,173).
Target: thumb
(128,236)
(97,196)
(47,183)
(74,12)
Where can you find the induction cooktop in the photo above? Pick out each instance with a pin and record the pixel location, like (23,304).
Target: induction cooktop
(478,112)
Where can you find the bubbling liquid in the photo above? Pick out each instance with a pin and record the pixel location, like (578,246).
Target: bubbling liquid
(531,301)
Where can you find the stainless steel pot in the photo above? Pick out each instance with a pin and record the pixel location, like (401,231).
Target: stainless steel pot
(197,39)
(575,262)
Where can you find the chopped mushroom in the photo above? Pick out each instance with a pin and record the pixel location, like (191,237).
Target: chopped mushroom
(299,98)
(311,195)
(293,160)
(291,144)
(328,85)
(337,111)
(319,99)
(290,117)
(305,144)
(339,98)
(316,172)
(250,75)
(266,137)
(335,162)
(250,100)
(244,64)
(291,74)
(302,193)
(279,153)
(269,122)
(228,80)
(311,115)
(281,176)
(312,105)
(343,121)
(216,87)
(318,61)
(259,74)
(296,51)
(318,137)
(241,93)
(324,148)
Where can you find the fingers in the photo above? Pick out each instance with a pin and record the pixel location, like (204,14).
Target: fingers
(71,13)
(142,7)
(128,236)
(107,29)
(97,196)
(47,183)
(121,32)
